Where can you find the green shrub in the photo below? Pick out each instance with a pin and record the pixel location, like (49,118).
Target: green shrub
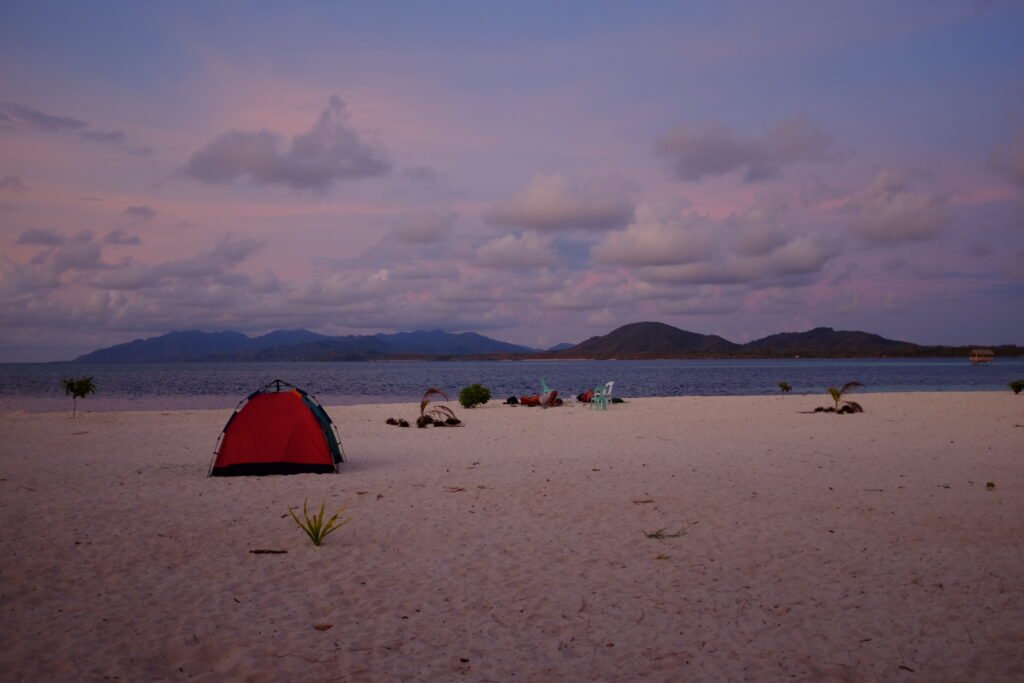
(1017,385)
(474,395)
(786,387)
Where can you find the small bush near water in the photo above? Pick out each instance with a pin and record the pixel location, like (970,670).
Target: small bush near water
(786,387)
(474,395)
(1017,385)
(78,388)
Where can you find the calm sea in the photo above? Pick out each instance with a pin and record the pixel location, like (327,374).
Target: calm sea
(37,386)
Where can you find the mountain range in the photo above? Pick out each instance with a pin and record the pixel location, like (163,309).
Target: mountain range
(298,345)
(636,340)
(658,340)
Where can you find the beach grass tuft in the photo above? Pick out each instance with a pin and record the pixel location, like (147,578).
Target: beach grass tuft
(315,527)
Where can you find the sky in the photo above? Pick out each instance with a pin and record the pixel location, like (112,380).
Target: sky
(538,172)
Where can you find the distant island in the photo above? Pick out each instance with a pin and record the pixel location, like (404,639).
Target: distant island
(642,340)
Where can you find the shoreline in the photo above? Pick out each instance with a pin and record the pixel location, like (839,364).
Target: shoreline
(173,403)
(818,547)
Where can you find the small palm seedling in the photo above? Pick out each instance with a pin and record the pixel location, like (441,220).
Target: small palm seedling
(786,387)
(837,396)
(78,388)
(439,415)
(315,527)
(1017,385)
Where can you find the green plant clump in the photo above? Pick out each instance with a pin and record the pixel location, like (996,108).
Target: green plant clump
(848,406)
(1017,385)
(438,416)
(786,387)
(474,395)
(78,388)
(315,527)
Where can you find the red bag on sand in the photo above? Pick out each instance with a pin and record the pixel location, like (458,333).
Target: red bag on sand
(586,396)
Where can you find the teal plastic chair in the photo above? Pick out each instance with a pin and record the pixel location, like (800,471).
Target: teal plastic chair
(602,396)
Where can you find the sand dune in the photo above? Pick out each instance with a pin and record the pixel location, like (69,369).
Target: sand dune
(812,547)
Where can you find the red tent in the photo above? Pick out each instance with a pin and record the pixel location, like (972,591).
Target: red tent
(277,431)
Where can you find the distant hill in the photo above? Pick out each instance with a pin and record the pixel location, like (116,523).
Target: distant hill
(651,339)
(297,345)
(658,340)
(438,342)
(173,347)
(561,347)
(286,338)
(824,341)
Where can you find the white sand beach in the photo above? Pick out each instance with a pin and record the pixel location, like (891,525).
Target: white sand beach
(813,547)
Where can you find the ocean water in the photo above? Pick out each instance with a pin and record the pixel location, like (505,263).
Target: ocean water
(37,386)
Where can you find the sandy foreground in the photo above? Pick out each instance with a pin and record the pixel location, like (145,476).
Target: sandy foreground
(813,547)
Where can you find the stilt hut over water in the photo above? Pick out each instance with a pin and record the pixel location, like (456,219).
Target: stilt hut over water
(982,356)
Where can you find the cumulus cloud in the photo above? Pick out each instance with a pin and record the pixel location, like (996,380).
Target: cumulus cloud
(695,152)
(139,213)
(816,192)
(129,277)
(575,300)
(80,252)
(554,202)
(365,290)
(227,253)
(121,237)
(424,227)
(889,211)
(528,250)
(213,266)
(40,236)
(12,184)
(422,174)
(14,116)
(1008,160)
(801,256)
(330,151)
(17,279)
(19,114)
(757,239)
(656,238)
(672,248)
